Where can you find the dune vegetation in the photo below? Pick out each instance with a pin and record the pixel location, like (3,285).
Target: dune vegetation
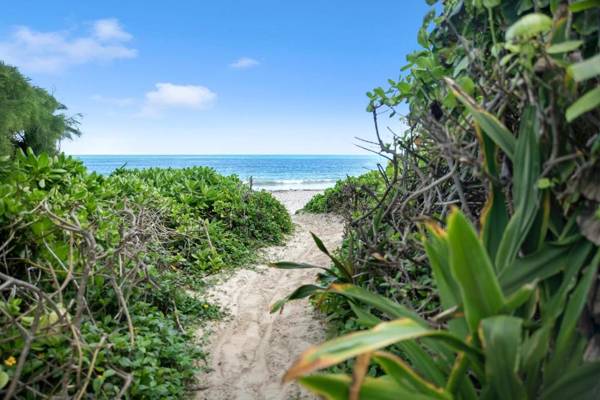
(470,263)
(101,277)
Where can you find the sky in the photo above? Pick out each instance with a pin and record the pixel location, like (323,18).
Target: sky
(212,77)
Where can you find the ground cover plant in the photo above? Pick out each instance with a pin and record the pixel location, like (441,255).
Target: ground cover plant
(97,274)
(492,204)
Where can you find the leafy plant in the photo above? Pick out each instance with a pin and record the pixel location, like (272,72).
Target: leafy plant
(508,335)
(97,273)
(502,145)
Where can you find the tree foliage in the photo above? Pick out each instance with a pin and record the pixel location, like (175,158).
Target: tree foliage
(30,117)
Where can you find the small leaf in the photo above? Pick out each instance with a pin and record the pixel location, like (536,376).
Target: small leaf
(466,84)
(3,379)
(544,183)
(528,26)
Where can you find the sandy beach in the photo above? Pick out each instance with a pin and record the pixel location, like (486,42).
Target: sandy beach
(250,351)
(294,200)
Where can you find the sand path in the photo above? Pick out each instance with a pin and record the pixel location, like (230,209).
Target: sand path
(250,351)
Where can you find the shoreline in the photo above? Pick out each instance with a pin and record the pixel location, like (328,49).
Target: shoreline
(293,190)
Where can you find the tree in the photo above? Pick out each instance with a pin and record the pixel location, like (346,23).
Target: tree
(30,116)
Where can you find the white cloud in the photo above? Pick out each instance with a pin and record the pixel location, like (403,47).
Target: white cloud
(53,52)
(110,29)
(169,95)
(244,63)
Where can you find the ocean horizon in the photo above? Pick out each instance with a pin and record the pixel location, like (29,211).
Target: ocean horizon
(267,171)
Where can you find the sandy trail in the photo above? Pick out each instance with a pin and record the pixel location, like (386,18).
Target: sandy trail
(250,351)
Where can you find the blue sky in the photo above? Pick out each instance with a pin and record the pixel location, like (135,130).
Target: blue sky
(212,77)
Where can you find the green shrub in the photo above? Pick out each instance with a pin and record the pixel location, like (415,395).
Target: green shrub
(96,273)
(351,193)
(503,118)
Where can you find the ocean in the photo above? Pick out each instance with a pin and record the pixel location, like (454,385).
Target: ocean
(270,172)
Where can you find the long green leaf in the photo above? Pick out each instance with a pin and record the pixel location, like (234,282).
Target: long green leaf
(489,123)
(363,317)
(585,69)
(336,387)
(525,191)
(567,331)
(535,348)
(404,375)
(583,5)
(382,303)
(585,103)
(553,308)
(518,298)
(295,265)
(494,216)
(417,356)
(436,248)
(422,361)
(385,334)
(300,293)
(564,47)
(438,253)
(472,269)
(501,340)
(548,261)
(339,264)
(580,383)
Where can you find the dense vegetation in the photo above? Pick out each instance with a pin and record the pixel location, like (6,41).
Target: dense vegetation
(30,117)
(348,195)
(472,269)
(101,277)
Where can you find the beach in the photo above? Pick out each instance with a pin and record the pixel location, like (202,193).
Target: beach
(251,350)
(294,200)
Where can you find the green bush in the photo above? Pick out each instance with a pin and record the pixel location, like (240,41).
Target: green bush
(352,193)
(503,112)
(96,273)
